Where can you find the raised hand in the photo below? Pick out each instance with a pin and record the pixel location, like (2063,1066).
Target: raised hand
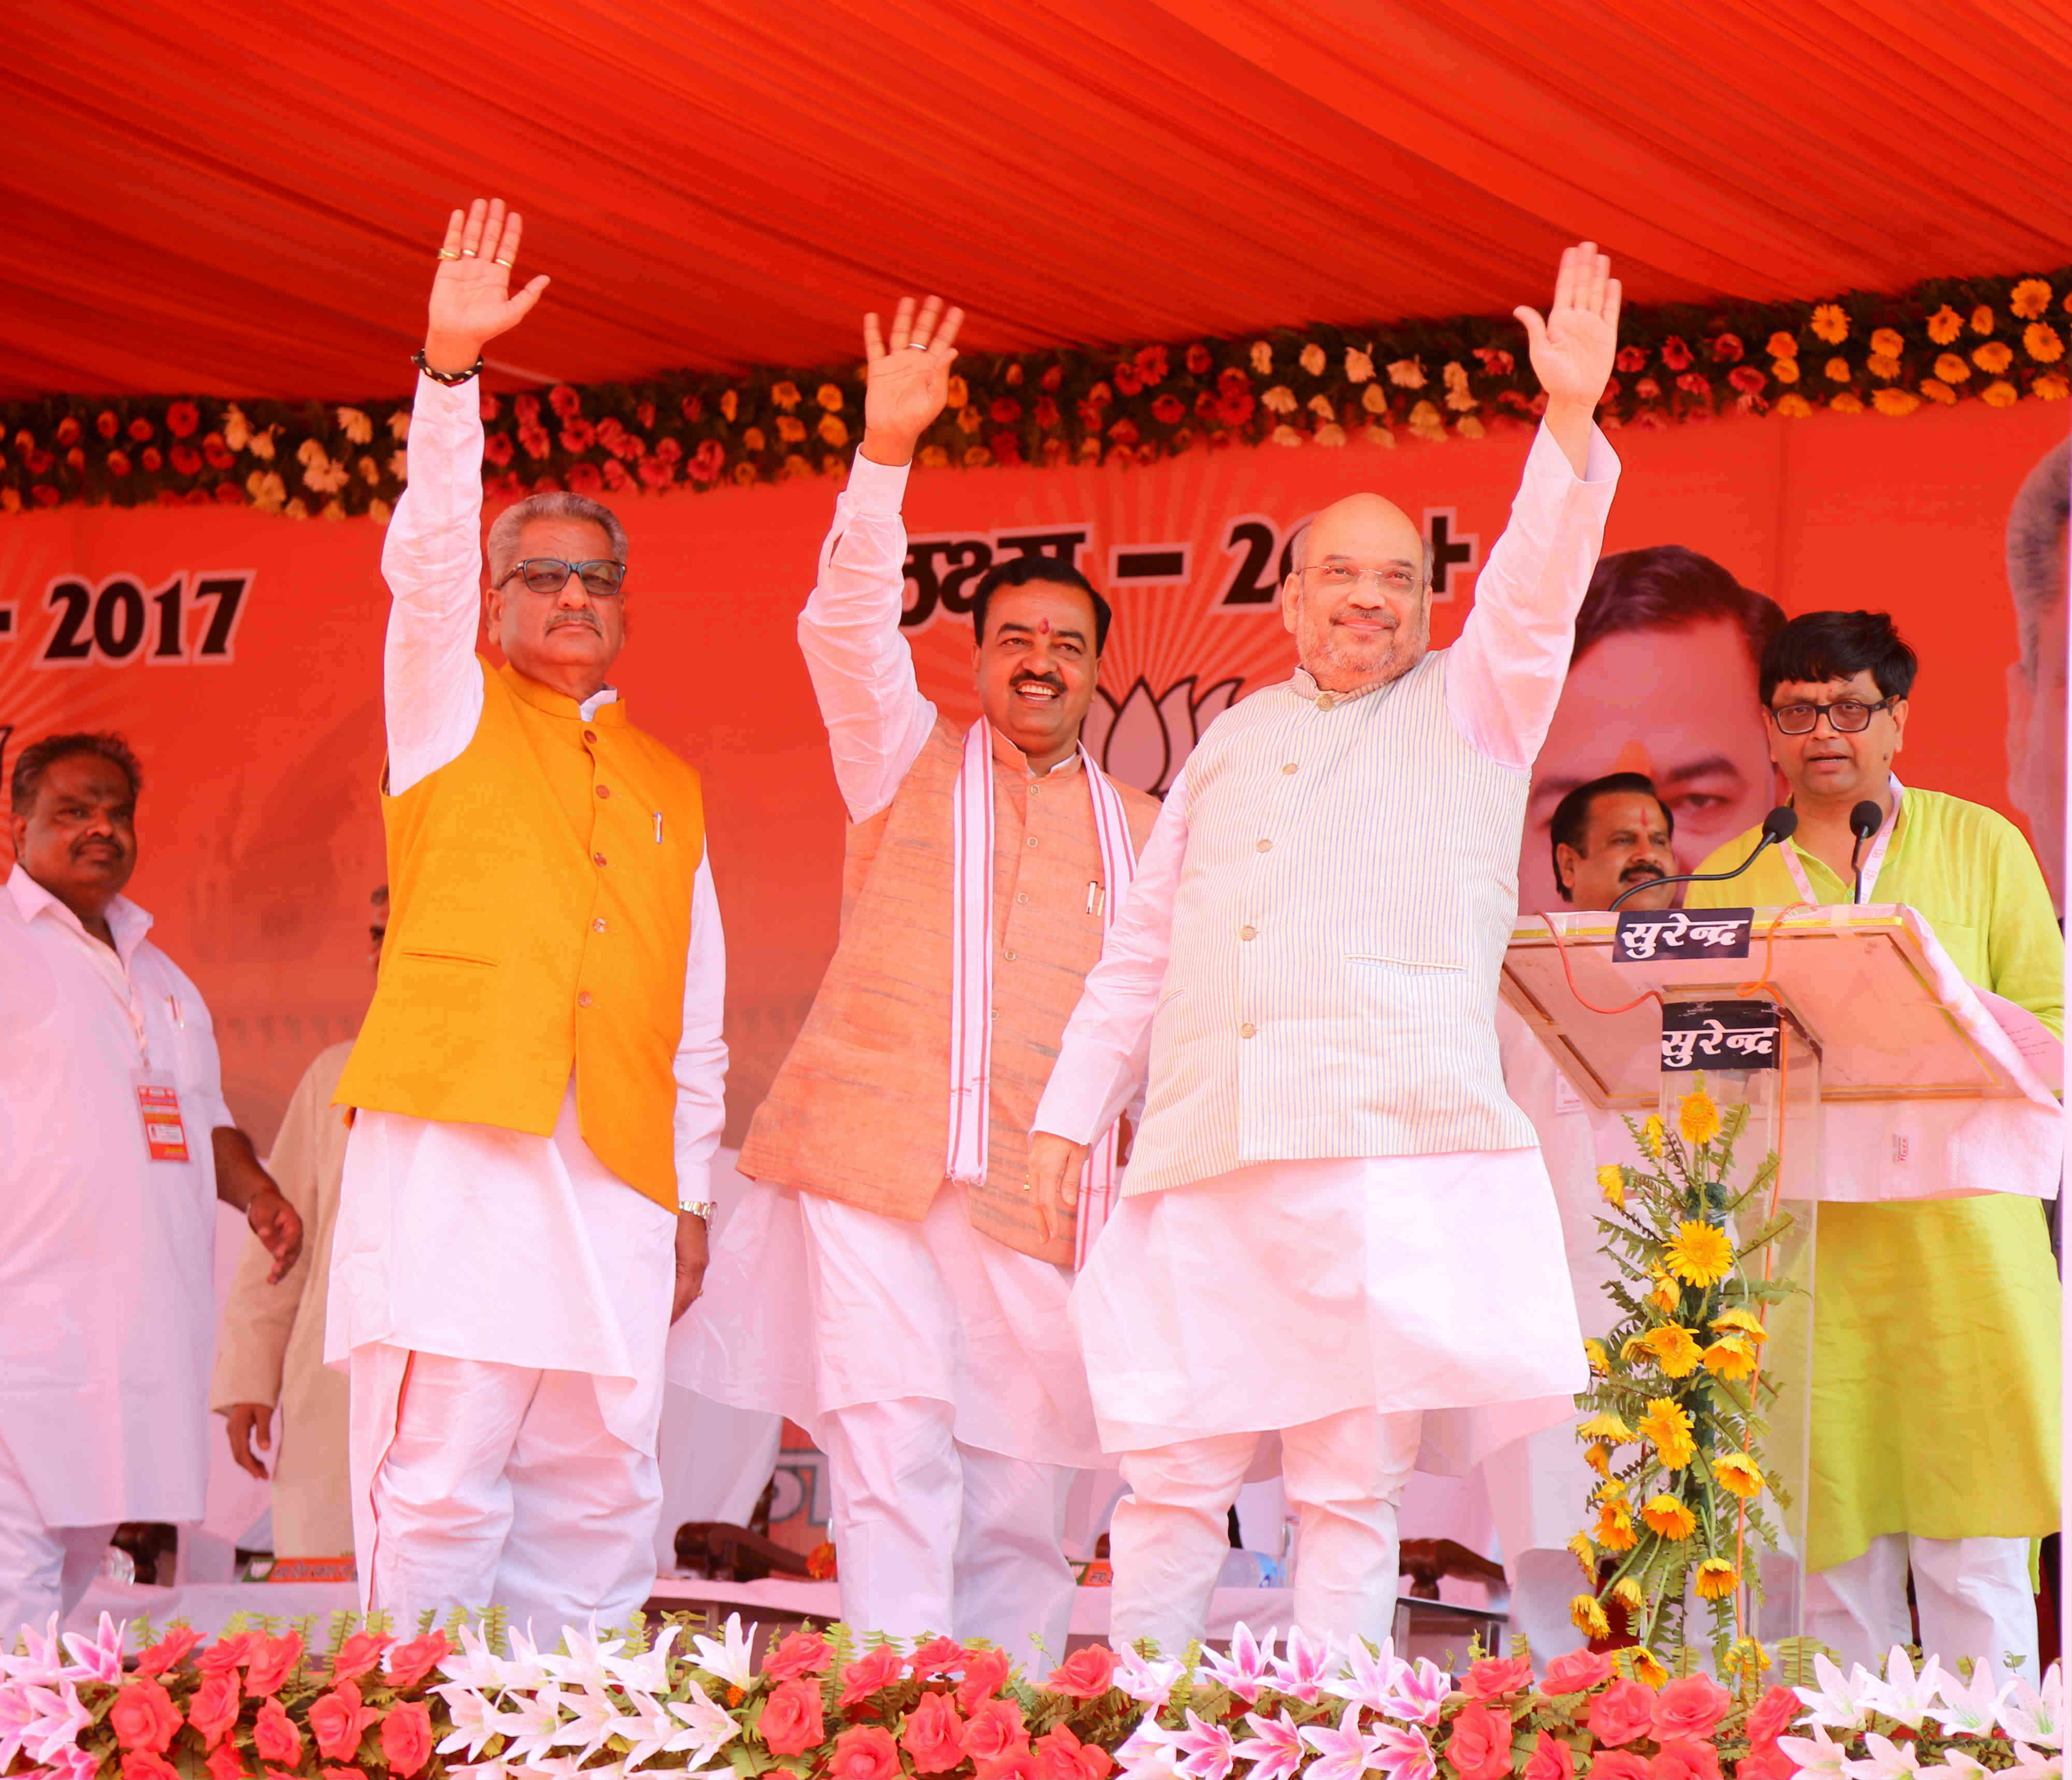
(472,301)
(907,383)
(1573,348)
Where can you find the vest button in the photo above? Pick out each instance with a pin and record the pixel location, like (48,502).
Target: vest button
(604,790)
(598,925)
(590,735)
(1289,767)
(1242,933)
(597,858)
(582,1000)
(1246,1030)
(1266,846)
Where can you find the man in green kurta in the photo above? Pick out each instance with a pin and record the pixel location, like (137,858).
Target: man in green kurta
(1935,1386)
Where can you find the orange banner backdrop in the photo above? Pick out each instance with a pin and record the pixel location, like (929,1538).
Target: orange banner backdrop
(241,655)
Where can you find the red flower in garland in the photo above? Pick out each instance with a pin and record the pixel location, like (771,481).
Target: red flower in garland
(936,1656)
(406,1739)
(69,431)
(225,1763)
(934,1734)
(1152,364)
(1774,1714)
(496,449)
(1579,1671)
(1480,1747)
(144,1717)
(1496,1677)
(142,1765)
(1496,362)
(792,1722)
(995,1732)
(1727,348)
(338,1721)
(44,495)
(565,402)
(584,478)
(181,418)
(644,412)
(186,460)
(657,473)
(169,1649)
(275,1737)
(118,463)
(1062,1756)
(1127,381)
(579,435)
(362,1651)
(1622,1712)
(1169,409)
(984,1675)
(1052,379)
(1045,412)
(1005,409)
(1087,1674)
(865,1752)
(1747,379)
(1006,448)
(1618,1765)
(1199,359)
(707,460)
(107,423)
(1684,1758)
(802,1654)
(214,1708)
(227,494)
(1550,1759)
(216,452)
(1675,355)
(693,408)
(1692,383)
(152,459)
(1124,432)
(1631,359)
(140,431)
(877,1670)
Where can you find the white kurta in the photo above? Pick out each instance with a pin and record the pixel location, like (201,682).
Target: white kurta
(107,1298)
(1290,1290)
(812,1306)
(470,1240)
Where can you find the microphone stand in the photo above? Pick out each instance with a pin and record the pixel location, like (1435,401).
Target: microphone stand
(1768,839)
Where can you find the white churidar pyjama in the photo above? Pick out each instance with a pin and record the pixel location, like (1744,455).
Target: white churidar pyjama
(43,1570)
(1344,1475)
(1973,1594)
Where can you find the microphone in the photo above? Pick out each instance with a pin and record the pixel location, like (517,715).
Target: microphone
(1866,819)
(1779,826)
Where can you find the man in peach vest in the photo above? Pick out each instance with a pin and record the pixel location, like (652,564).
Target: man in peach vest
(928,1353)
(1336,1222)
(538,1082)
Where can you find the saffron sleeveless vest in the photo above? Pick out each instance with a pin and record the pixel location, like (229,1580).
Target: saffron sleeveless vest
(1349,885)
(540,916)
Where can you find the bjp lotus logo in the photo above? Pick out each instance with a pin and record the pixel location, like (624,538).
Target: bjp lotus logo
(1144,738)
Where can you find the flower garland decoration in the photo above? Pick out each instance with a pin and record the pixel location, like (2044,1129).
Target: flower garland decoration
(1995,340)
(1673,1424)
(256,1705)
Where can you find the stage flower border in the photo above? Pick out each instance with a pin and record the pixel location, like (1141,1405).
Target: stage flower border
(256,1705)
(1995,340)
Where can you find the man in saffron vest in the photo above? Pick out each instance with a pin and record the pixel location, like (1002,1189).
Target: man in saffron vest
(930,1357)
(1336,1219)
(538,1082)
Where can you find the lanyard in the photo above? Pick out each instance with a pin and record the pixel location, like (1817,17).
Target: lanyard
(108,966)
(1872,864)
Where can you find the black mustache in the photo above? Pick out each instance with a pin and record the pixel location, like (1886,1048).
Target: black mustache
(556,622)
(1052,680)
(1642,873)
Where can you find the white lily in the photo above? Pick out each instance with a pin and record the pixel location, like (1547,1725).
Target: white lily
(1149,1684)
(2035,1765)
(582,1661)
(1955,1766)
(1843,1705)
(728,1661)
(1888,1759)
(475,1719)
(711,1727)
(473,1665)
(1818,1757)
(647,1729)
(649,1671)
(2035,1715)
(523,1668)
(1902,1695)
(592,1717)
(1972,1710)
(533,1726)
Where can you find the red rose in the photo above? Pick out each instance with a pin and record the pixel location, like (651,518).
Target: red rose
(38,463)
(1747,378)
(658,474)
(217,453)
(1199,359)
(1550,1759)
(707,460)
(879,1669)
(1619,1765)
(409,1664)
(166,497)
(584,478)
(865,1752)
(142,1764)
(579,435)
(1054,376)
(985,1672)
(1631,359)
(1690,1707)
(1774,1714)
(1577,1672)
(1675,355)
(802,1654)
(186,459)
(1496,1676)
(140,429)
(406,1738)
(1768,1762)
(1684,1758)
(1622,1712)
(693,408)
(152,459)
(214,1708)
(564,400)
(1127,381)
(107,423)
(1087,1674)
(275,1737)
(181,418)
(1727,348)
(225,1763)
(612,436)
(344,1773)
(933,1733)
(496,448)
(1062,1756)
(791,1718)
(995,1732)
(1480,1747)
(644,412)
(144,1717)
(118,463)
(1005,409)
(1022,1764)
(1046,413)
(169,1649)
(69,431)
(1168,408)
(337,1720)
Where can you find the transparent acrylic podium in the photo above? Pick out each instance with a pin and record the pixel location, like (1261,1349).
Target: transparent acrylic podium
(1886,1076)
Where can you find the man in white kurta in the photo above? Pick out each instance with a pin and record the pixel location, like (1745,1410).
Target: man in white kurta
(107,1224)
(501,1296)
(1334,1219)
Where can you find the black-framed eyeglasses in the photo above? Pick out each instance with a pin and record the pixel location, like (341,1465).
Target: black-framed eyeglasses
(378,934)
(1845,716)
(602,577)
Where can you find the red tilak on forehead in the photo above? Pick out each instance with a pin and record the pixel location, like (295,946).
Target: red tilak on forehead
(1042,626)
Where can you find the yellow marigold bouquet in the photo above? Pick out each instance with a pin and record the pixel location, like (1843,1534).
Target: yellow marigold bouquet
(1673,1421)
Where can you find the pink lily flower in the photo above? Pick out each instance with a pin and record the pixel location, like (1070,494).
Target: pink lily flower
(1406,1754)
(1345,1753)
(1420,1692)
(1206,1751)
(99,1658)
(1304,1672)
(1274,1748)
(1244,1671)
(59,1719)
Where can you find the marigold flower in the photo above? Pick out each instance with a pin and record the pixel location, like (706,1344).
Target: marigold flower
(1359,366)
(2030,299)
(1717,1578)
(1375,399)
(1699,1253)
(1666,1427)
(1837,370)
(1739,1473)
(1951,368)
(1888,341)
(2052,388)
(1732,1358)
(1781,345)
(1626,1592)
(1882,364)
(1666,1294)
(785,395)
(1614,1528)
(1945,325)
(1667,1516)
(1982,319)
(1830,323)
(1674,1349)
(1312,360)
(1792,407)
(1607,1425)
(1935,390)
(1585,1553)
(1998,393)
(1611,1182)
(2043,344)
(1598,1456)
(1895,401)
(1588,1618)
(1654,1133)
(1785,370)
(1994,357)
(1697,1118)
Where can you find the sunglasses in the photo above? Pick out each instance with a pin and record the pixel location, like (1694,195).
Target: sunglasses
(601,577)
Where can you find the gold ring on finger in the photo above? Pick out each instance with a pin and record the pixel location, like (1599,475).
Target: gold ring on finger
(449,252)
(507,264)
(467,253)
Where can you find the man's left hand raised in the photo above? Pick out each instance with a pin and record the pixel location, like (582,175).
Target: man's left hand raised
(690,1257)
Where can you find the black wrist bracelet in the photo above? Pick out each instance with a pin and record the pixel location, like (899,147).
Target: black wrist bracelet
(449,378)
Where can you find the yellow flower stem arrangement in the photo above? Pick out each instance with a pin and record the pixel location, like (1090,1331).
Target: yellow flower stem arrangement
(1673,1420)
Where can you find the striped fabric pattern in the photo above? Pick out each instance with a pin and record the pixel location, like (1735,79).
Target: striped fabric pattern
(1349,885)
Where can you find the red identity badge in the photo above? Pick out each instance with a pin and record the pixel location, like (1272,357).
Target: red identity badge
(158,1104)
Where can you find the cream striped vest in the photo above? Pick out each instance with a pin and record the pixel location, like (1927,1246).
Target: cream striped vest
(1350,882)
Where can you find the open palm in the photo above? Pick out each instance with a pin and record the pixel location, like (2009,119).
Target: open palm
(907,383)
(472,300)
(1573,346)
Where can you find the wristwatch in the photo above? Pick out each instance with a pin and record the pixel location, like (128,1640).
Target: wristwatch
(702,1208)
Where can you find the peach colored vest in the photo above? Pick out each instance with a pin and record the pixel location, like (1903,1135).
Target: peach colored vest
(859,1111)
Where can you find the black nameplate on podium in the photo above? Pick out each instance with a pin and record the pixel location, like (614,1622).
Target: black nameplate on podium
(1718,1035)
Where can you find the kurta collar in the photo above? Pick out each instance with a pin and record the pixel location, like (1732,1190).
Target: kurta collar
(126,921)
(1303,686)
(1007,755)
(604,707)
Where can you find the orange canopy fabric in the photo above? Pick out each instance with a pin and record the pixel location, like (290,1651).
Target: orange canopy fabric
(223,198)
